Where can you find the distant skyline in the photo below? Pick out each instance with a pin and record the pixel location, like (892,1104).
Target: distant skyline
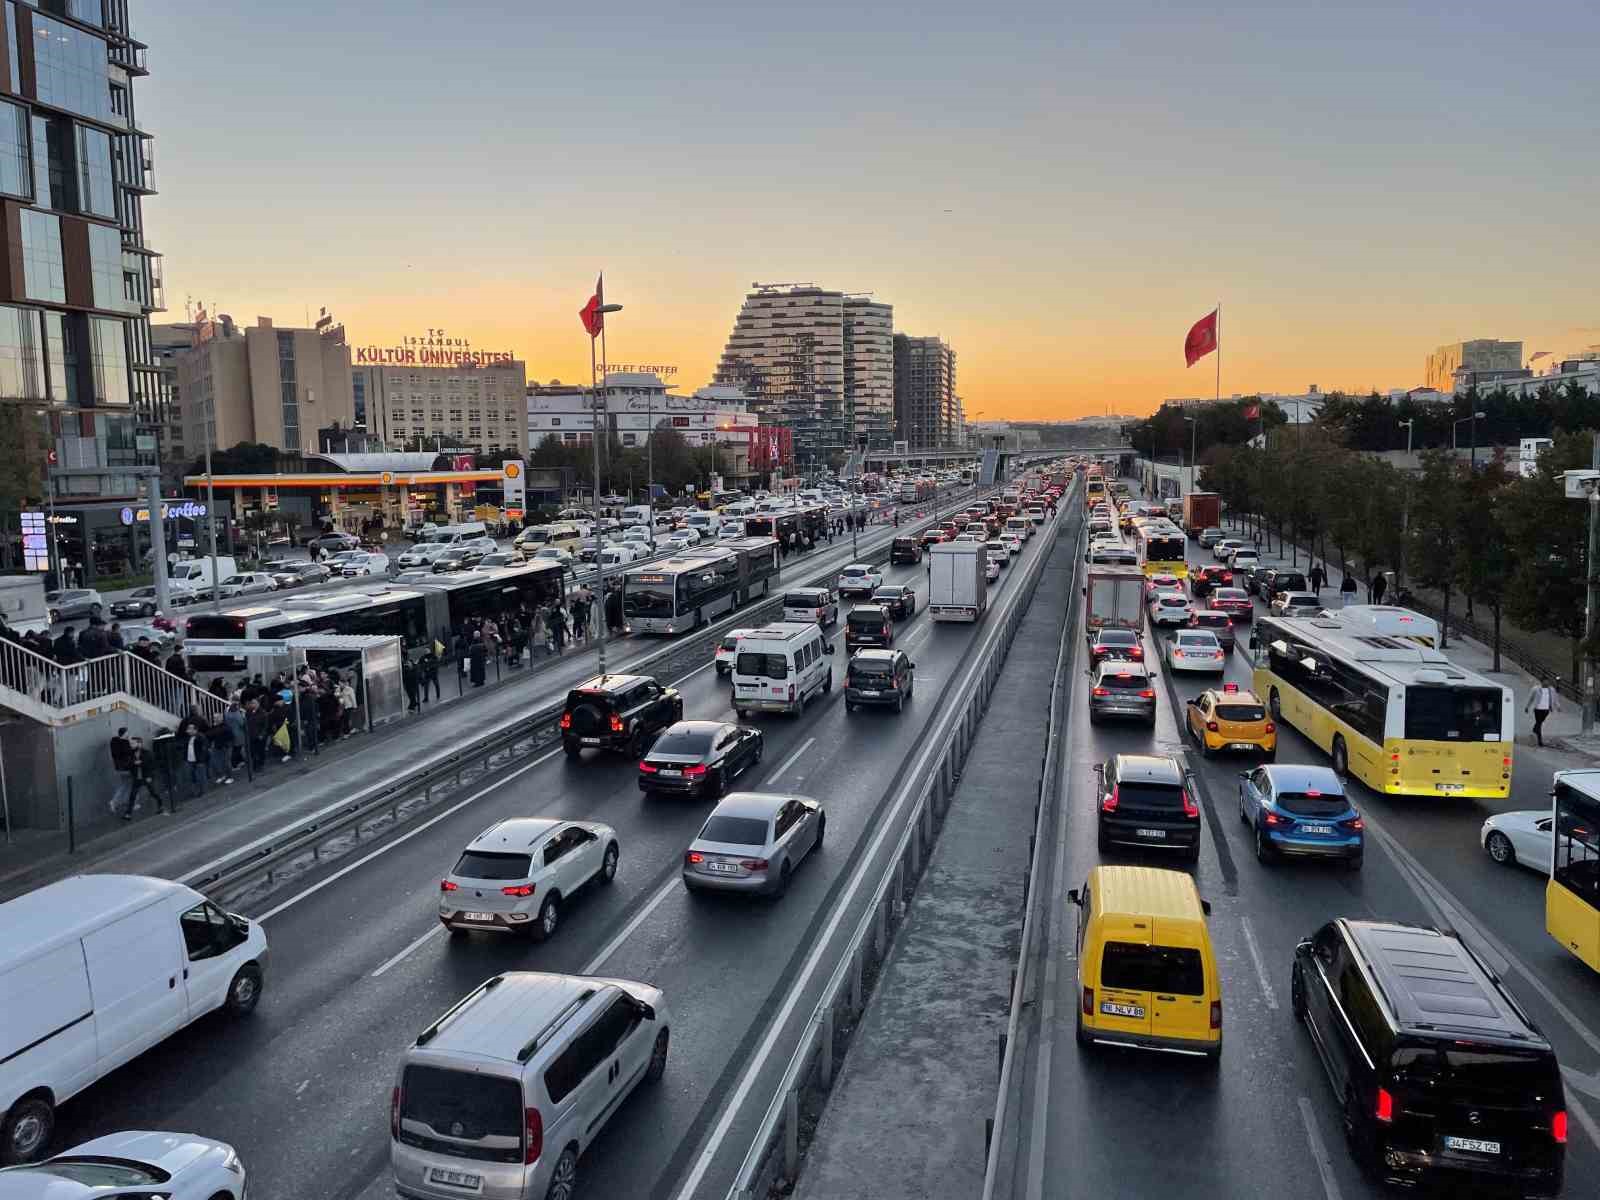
(1058,190)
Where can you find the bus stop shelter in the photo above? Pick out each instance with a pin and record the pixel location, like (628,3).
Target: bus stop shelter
(374,660)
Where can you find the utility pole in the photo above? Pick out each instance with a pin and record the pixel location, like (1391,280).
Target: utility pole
(1405,503)
(211,507)
(1592,608)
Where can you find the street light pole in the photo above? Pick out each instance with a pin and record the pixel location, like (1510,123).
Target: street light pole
(599,545)
(1474,435)
(211,506)
(1405,502)
(1592,608)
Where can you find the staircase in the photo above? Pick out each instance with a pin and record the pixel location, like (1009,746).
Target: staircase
(56,695)
(990,469)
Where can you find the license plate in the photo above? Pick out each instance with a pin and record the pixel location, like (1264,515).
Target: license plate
(1317,828)
(747,687)
(1243,746)
(1151,833)
(868,692)
(666,774)
(460,1179)
(722,868)
(1451,787)
(1475,1145)
(1135,1011)
(590,741)
(477,916)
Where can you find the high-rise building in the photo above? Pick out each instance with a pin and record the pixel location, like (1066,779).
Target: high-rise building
(816,361)
(483,408)
(277,386)
(169,343)
(1480,354)
(79,281)
(927,410)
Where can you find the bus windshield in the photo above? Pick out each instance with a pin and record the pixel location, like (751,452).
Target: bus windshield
(1164,549)
(1446,714)
(648,599)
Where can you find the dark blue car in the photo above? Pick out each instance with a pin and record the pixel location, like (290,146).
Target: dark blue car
(1300,811)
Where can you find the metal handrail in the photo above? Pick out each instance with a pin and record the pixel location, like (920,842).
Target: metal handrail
(934,786)
(63,686)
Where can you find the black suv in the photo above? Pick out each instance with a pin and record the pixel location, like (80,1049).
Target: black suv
(1144,800)
(618,712)
(1441,1075)
(1268,582)
(905,550)
(868,625)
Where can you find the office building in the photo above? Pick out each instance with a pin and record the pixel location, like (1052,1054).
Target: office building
(169,343)
(276,386)
(462,405)
(818,362)
(927,410)
(1478,355)
(80,283)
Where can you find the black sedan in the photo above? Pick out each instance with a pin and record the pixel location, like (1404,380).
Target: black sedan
(897,598)
(700,758)
(1110,644)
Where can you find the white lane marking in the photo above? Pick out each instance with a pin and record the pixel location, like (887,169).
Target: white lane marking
(917,636)
(406,953)
(1589,1085)
(1491,947)
(1261,967)
(405,837)
(790,761)
(1319,1150)
(623,934)
(693,673)
(1583,1116)
(304,1083)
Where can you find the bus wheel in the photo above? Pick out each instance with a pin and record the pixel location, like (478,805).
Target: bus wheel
(1272,703)
(1341,757)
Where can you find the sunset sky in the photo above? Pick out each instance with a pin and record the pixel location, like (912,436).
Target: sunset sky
(1057,189)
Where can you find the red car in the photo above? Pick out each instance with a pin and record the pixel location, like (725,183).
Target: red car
(930,536)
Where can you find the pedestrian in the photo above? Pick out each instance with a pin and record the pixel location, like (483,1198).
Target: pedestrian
(430,672)
(234,721)
(347,704)
(478,655)
(282,736)
(408,680)
(175,663)
(257,730)
(614,609)
(1347,589)
(143,773)
(1318,577)
(1380,585)
(1542,701)
(558,629)
(122,764)
(196,756)
(219,744)
(114,636)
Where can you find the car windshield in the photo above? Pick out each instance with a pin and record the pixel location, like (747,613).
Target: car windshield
(1198,641)
(647,600)
(762,666)
(1213,620)
(1492,1074)
(1312,803)
(1145,794)
(731,642)
(491,864)
(1139,968)
(1241,712)
(682,741)
(802,600)
(868,618)
(735,831)
(1232,595)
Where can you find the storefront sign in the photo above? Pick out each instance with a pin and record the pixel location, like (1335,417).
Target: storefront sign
(435,348)
(35,542)
(170,509)
(662,369)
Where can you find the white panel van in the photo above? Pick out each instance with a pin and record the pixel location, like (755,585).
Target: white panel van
(195,573)
(96,969)
(780,666)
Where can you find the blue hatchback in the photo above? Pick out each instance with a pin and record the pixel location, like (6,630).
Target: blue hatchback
(1300,811)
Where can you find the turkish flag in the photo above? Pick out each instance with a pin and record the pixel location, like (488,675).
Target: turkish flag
(1252,412)
(591,316)
(1202,339)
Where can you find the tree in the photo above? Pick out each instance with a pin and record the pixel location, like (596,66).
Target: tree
(1433,542)
(1487,558)
(1547,588)
(246,458)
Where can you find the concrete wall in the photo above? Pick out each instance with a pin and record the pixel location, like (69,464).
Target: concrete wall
(39,760)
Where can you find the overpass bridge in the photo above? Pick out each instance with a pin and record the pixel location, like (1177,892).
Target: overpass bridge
(883,460)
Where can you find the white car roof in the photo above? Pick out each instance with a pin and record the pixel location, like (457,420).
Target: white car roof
(68,909)
(1205,636)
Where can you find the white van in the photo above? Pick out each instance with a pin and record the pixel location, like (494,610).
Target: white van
(638,514)
(563,535)
(707,524)
(1020,526)
(454,535)
(195,573)
(780,666)
(96,969)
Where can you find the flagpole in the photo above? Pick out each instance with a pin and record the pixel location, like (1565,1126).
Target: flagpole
(1219,350)
(599,541)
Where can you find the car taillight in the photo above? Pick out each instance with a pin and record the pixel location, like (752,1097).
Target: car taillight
(1383,1108)
(533,1140)
(753,864)
(1271,728)
(1216,1014)
(1147,694)
(1273,820)
(695,772)
(1355,824)
(648,768)
(1088,1002)
(446,886)
(566,720)
(1558,1127)
(397,1095)
(694,857)
(521,889)
(1138,651)
(1190,808)
(1109,802)
(1100,691)
(1213,727)
(616,723)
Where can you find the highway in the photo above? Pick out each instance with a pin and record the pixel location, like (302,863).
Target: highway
(1094,1123)
(359,963)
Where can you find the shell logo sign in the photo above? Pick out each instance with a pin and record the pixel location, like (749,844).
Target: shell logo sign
(513,470)
(388,477)
(514,488)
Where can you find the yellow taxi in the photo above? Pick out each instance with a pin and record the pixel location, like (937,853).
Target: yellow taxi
(1147,973)
(1228,718)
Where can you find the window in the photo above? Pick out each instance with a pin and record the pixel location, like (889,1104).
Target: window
(21,354)
(105,268)
(735,831)
(205,932)
(14,158)
(96,194)
(71,70)
(492,865)
(1577,845)
(1139,968)
(11,42)
(1446,714)
(43,269)
(487,1109)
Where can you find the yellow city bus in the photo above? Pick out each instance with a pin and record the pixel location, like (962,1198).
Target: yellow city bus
(1161,547)
(1368,686)
(1572,894)
(1094,489)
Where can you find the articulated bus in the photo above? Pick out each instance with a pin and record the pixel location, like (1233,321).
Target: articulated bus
(1161,547)
(1572,894)
(1368,686)
(1094,488)
(685,592)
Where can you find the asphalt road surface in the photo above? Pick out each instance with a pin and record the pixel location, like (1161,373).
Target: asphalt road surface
(359,963)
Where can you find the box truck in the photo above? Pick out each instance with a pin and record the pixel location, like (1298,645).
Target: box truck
(1201,510)
(957,589)
(1113,599)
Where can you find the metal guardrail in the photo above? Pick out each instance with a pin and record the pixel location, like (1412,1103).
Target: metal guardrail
(245,870)
(775,1152)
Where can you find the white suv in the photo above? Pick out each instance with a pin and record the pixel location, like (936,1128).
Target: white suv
(514,876)
(502,1094)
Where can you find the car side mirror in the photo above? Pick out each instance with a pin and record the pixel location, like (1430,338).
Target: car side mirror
(644,1010)
(1205,907)
(1075,897)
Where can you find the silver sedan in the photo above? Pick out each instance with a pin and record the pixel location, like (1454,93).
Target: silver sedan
(181,1166)
(752,842)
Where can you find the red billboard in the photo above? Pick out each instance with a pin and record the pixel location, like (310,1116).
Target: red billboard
(464,462)
(771,446)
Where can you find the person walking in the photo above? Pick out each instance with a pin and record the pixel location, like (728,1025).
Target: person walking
(1318,577)
(238,740)
(219,743)
(1380,585)
(478,655)
(122,764)
(429,665)
(1542,701)
(143,773)
(196,756)
(1347,589)
(408,680)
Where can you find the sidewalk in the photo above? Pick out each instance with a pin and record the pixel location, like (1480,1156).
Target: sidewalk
(906,1116)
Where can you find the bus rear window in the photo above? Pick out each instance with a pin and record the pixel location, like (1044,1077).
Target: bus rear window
(1446,714)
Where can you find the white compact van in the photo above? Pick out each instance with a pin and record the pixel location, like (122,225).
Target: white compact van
(455,535)
(780,666)
(96,969)
(195,573)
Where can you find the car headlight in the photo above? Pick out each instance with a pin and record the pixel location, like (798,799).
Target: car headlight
(231,1162)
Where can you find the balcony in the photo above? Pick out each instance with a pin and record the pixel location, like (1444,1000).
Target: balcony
(130,57)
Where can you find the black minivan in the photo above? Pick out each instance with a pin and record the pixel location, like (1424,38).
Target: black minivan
(905,550)
(1144,800)
(1442,1077)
